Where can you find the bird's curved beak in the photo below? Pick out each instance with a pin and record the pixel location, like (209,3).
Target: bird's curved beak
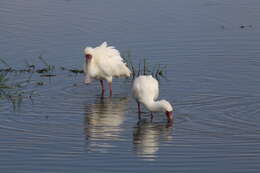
(87,79)
(88,57)
(169,115)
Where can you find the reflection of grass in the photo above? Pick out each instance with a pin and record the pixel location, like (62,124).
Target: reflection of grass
(144,68)
(12,91)
(3,81)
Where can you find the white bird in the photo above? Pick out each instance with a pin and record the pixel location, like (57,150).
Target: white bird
(146,91)
(103,63)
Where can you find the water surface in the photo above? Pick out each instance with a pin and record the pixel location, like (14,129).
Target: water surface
(211,49)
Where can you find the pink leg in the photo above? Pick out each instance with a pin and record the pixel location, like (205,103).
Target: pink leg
(102,88)
(169,124)
(110,89)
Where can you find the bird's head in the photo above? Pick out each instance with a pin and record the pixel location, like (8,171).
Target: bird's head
(169,115)
(89,51)
(168,109)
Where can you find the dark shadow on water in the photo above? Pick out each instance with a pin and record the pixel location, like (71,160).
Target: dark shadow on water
(147,137)
(103,122)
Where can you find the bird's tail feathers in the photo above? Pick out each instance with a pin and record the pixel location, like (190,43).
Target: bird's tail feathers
(104,44)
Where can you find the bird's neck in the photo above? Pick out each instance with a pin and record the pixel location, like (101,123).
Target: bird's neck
(90,62)
(154,106)
(91,65)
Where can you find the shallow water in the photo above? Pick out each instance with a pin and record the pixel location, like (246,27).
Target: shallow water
(213,83)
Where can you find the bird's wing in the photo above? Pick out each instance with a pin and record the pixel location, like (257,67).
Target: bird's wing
(154,87)
(109,61)
(145,88)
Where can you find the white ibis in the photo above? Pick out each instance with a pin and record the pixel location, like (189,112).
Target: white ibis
(146,91)
(103,63)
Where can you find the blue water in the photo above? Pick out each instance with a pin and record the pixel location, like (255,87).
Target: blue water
(211,49)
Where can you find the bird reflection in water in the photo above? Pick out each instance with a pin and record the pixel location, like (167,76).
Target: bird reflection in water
(147,137)
(103,122)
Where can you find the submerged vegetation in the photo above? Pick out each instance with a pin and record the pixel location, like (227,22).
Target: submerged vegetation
(15,92)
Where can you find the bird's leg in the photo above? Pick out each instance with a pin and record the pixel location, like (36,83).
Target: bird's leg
(139,110)
(110,88)
(139,107)
(169,124)
(102,88)
(151,116)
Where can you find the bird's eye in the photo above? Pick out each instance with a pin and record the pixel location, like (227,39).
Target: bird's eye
(88,56)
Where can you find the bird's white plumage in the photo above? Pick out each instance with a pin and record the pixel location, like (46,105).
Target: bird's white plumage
(145,88)
(146,91)
(105,63)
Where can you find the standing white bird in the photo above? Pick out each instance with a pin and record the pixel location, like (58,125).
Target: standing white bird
(103,63)
(146,91)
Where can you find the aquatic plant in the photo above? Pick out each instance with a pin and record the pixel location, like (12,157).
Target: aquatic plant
(73,70)
(48,70)
(11,92)
(144,68)
(3,80)
(15,92)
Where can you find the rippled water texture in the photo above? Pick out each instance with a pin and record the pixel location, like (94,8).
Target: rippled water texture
(211,49)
